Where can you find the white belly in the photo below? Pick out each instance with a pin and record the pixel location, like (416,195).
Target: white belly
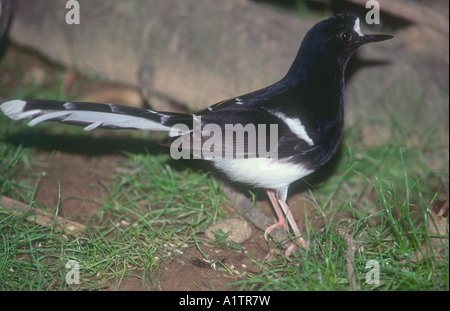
(262,172)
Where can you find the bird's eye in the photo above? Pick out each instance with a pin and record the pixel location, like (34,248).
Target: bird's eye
(346,36)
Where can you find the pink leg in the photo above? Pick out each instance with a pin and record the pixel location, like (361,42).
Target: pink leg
(294,227)
(282,221)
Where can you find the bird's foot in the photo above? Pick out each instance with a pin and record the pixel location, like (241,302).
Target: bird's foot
(269,229)
(300,241)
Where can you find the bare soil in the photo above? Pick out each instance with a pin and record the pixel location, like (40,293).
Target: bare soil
(77,182)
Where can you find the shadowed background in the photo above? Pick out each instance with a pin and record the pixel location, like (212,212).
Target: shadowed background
(196,53)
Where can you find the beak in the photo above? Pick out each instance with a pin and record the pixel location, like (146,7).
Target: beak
(375,38)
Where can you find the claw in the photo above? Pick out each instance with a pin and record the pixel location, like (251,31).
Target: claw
(291,248)
(275,225)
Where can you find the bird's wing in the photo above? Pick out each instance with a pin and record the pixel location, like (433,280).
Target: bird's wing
(243,127)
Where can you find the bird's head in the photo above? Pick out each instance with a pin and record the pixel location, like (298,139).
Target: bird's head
(343,32)
(332,42)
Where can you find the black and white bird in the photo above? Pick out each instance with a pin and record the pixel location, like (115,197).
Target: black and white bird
(306,106)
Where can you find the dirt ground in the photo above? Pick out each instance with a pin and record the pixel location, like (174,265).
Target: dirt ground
(83,182)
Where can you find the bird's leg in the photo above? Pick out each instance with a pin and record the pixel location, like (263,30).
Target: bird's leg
(281,220)
(277,203)
(294,227)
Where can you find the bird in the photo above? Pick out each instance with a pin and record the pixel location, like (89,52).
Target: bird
(301,116)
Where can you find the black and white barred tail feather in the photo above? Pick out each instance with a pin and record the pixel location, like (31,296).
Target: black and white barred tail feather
(93,115)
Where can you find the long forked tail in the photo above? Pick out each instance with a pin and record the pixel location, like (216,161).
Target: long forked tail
(93,115)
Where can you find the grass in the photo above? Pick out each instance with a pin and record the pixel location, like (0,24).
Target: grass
(135,227)
(389,228)
(385,191)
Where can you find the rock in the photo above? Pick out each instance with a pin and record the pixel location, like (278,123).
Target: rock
(239,230)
